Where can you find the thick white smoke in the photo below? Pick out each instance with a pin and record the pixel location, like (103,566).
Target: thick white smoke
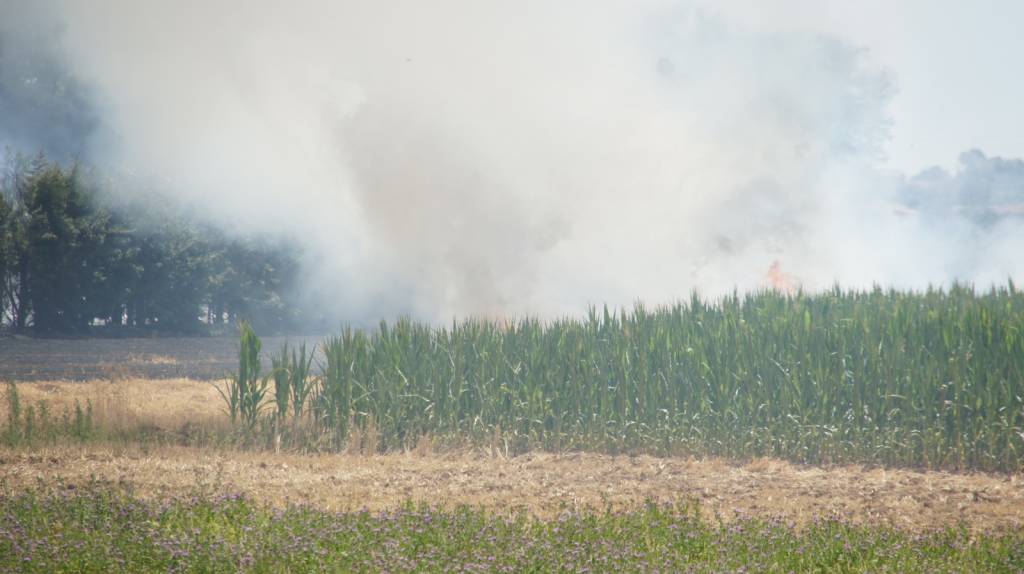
(460,157)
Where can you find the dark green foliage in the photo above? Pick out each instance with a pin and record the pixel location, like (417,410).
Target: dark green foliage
(70,261)
(89,528)
(15,299)
(251,281)
(63,234)
(6,254)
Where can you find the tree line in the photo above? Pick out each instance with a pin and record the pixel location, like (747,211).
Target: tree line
(74,261)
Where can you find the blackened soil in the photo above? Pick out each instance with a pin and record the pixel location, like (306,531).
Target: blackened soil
(203,358)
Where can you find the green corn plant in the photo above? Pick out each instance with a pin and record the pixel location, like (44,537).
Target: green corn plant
(301,383)
(333,404)
(292,385)
(246,391)
(281,372)
(932,378)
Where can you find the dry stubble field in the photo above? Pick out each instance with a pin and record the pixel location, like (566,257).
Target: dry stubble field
(541,483)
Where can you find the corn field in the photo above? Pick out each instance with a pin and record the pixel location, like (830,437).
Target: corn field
(932,379)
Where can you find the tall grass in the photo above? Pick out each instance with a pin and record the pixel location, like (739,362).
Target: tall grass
(932,378)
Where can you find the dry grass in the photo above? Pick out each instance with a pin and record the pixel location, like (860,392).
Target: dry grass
(124,405)
(151,359)
(542,483)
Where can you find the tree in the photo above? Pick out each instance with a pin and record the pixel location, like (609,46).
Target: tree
(68,258)
(59,236)
(15,299)
(6,213)
(252,280)
(175,278)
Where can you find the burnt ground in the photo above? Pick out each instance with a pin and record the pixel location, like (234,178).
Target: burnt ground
(202,358)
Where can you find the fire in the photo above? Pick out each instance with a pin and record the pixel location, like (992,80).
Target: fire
(780,280)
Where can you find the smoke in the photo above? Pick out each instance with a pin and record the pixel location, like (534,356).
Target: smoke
(976,215)
(41,103)
(460,157)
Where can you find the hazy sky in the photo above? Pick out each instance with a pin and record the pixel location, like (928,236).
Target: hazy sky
(955,65)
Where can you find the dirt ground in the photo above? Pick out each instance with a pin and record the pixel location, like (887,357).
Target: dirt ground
(543,484)
(27,359)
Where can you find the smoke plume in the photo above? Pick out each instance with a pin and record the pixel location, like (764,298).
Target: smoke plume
(460,157)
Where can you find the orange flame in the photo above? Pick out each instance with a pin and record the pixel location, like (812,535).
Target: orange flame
(780,280)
